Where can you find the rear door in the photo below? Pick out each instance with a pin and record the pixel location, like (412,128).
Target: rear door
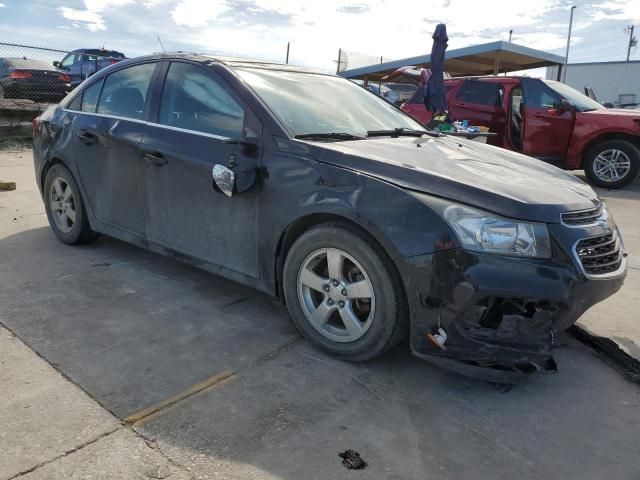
(546,130)
(108,133)
(481,103)
(198,114)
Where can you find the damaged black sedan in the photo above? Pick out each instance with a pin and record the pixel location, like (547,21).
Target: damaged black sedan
(311,188)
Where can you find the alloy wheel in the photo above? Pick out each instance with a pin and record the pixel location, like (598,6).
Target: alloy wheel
(611,165)
(336,295)
(62,204)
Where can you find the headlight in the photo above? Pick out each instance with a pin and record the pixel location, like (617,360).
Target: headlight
(485,232)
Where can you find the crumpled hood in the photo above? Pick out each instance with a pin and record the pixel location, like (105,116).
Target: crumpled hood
(491,178)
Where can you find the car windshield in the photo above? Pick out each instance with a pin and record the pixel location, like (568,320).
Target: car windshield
(577,99)
(308,103)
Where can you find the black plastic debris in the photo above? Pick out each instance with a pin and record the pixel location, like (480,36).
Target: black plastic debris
(352,460)
(610,351)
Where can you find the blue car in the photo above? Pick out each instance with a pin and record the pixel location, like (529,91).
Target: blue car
(82,63)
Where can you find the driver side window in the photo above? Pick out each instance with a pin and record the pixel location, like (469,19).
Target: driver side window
(538,95)
(197,99)
(69,60)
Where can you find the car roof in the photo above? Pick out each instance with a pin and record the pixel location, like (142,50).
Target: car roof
(21,62)
(492,78)
(230,62)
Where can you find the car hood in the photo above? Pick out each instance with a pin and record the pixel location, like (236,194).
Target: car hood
(491,178)
(615,112)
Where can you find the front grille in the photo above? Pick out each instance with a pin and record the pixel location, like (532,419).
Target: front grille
(600,255)
(581,217)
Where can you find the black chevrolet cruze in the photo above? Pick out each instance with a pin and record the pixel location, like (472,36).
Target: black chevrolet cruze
(311,188)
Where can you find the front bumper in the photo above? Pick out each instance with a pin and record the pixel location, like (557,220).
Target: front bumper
(500,314)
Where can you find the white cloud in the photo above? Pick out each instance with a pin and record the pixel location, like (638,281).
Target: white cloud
(91,15)
(2,5)
(198,13)
(626,10)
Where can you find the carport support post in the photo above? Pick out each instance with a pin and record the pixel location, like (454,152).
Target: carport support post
(496,64)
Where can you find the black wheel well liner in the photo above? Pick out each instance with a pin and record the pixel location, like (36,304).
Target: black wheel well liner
(47,167)
(296,228)
(605,137)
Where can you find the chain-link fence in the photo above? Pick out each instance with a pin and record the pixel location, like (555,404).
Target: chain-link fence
(47,74)
(349,60)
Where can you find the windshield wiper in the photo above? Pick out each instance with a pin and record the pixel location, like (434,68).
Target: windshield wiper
(401,132)
(329,136)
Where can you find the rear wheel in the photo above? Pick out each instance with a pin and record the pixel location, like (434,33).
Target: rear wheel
(65,209)
(344,293)
(612,164)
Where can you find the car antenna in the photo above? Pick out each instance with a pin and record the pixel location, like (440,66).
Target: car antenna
(160,42)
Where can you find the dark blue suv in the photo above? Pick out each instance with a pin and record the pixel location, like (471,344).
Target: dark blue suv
(84,62)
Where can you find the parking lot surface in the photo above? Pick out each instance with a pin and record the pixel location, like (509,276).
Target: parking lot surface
(119,363)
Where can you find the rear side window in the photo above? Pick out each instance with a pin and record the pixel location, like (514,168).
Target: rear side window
(76,103)
(90,97)
(481,93)
(125,91)
(195,98)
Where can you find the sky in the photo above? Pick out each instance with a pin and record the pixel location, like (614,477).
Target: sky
(317,29)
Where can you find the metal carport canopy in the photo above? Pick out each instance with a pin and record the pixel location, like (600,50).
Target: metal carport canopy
(485,59)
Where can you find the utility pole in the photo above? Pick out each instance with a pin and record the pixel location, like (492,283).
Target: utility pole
(287,61)
(632,40)
(566,57)
(510,34)
(339,60)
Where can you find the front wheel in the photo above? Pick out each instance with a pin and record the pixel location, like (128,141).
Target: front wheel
(612,164)
(344,293)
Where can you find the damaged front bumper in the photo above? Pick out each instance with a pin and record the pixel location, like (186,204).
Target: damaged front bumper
(498,315)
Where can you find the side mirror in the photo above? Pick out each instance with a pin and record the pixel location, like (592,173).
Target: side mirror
(565,106)
(224,179)
(56,64)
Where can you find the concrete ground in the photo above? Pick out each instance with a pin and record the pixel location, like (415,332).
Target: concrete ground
(116,363)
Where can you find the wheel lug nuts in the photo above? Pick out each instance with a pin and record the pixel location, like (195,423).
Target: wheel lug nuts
(330,302)
(336,283)
(326,288)
(341,304)
(344,293)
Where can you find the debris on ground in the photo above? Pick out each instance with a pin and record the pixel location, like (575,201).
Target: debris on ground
(7,185)
(351,460)
(610,352)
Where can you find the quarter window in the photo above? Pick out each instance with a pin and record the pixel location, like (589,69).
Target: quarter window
(195,98)
(90,97)
(481,93)
(125,91)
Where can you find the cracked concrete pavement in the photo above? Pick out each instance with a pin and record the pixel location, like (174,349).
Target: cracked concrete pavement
(117,363)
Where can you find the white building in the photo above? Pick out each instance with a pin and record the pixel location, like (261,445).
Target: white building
(613,82)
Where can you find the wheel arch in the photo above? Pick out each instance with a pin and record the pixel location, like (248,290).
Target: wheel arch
(299,226)
(605,137)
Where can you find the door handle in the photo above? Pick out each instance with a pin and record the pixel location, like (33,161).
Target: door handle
(86,137)
(155,158)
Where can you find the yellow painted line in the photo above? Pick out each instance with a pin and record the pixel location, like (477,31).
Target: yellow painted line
(154,410)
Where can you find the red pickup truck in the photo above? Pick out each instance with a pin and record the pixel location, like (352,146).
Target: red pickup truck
(547,120)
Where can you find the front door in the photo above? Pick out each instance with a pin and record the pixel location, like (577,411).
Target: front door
(198,114)
(108,132)
(546,129)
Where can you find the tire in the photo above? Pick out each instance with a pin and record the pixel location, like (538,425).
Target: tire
(620,152)
(65,207)
(382,318)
